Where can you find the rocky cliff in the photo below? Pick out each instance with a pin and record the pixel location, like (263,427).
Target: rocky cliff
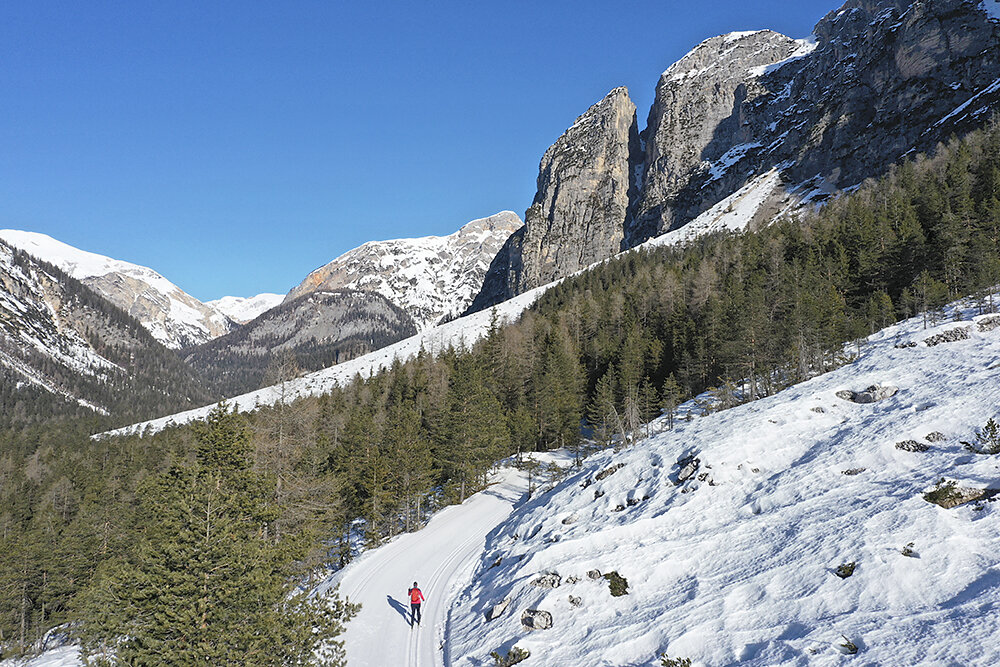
(879,80)
(586,183)
(431,278)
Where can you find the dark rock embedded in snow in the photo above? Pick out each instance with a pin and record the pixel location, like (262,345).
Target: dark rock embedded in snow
(845,570)
(607,472)
(872,394)
(935,436)
(576,601)
(853,471)
(950,336)
(594,574)
(536,619)
(689,466)
(988,323)
(912,446)
(548,580)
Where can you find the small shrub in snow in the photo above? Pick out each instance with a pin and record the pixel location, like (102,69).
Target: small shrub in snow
(908,551)
(845,570)
(935,436)
(949,494)
(617,583)
(848,647)
(514,656)
(853,471)
(576,600)
(987,439)
(667,661)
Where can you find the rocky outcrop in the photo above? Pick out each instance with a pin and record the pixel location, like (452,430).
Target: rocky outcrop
(879,80)
(431,278)
(695,124)
(586,184)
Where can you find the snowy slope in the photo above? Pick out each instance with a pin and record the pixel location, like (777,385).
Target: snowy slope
(243,309)
(736,564)
(174,317)
(734,213)
(430,277)
(440,558)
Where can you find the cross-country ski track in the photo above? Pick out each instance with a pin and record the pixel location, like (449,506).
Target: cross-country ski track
(441,558)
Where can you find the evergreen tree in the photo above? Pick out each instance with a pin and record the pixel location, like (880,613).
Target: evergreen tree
(204,584)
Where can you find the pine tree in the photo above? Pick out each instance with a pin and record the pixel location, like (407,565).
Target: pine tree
(205,584)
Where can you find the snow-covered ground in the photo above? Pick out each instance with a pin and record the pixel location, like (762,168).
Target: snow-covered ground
(440,557)
(736,565)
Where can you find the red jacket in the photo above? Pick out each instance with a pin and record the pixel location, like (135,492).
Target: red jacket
(416,597)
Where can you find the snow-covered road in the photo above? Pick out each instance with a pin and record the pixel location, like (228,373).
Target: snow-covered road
(440,557)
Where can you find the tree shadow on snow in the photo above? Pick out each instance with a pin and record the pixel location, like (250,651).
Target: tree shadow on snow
(399,607)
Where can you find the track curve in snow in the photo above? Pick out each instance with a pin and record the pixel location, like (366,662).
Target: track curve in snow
(440,558)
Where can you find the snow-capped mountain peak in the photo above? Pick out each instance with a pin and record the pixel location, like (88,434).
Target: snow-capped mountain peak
(431,278)
(243,309)
(174,317)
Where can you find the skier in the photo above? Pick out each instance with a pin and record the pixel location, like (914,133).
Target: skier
(416,597)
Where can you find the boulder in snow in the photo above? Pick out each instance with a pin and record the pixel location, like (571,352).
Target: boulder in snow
(536,619)
(576,601)
(950,336)
(912,446)
(989,323)
(594,575)
(872,394)
(496,610)
(548,580)
(935,436)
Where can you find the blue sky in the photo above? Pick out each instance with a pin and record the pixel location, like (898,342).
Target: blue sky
(236,146)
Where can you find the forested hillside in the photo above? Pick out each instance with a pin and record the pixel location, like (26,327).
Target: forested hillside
(67,351)
(745,314)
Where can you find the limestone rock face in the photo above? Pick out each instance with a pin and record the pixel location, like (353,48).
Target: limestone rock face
(586,183)
(878,80)
(695,121)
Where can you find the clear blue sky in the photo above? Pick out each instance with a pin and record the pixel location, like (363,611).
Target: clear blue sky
(236,146)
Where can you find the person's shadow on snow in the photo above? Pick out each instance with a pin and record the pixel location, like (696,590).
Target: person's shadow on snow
(399,606)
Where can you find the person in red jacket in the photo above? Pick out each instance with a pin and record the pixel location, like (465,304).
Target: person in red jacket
(416,597)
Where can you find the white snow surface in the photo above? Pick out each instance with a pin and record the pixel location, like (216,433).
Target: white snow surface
(992,9)
(243,309)
(740,570)
(805,46)
(172,316)
(440,558)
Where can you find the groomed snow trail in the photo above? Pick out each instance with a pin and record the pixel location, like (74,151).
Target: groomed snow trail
(440,558)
